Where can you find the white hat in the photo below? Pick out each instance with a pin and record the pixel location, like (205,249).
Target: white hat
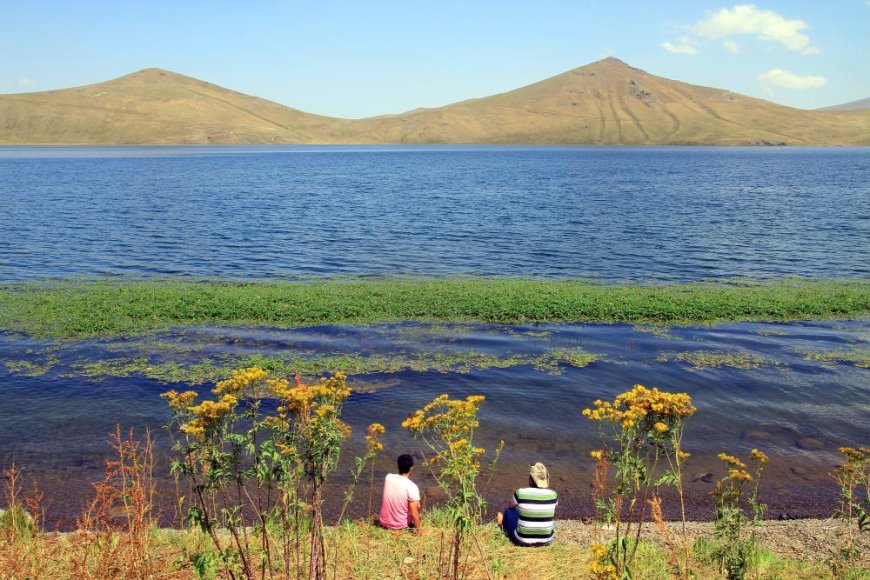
(539,474)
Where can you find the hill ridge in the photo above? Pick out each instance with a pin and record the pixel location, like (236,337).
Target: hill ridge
(606,102)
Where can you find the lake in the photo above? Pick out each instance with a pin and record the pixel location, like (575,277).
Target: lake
(612,214)
(642,215)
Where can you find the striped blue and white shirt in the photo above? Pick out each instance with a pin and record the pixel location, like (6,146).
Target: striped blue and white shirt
(536,508)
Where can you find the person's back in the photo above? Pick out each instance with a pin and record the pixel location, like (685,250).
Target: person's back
(536,511)
(530,518)
(400,506)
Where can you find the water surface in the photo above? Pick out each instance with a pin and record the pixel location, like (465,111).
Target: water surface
(614,214)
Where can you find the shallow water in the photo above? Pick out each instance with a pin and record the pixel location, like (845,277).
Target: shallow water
(798,410)
(613,214)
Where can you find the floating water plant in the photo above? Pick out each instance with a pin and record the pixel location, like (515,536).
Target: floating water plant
(860,357)
(705,359)
(204,369)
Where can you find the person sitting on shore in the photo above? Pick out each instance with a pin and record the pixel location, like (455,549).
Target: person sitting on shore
(400,506)
(530,518)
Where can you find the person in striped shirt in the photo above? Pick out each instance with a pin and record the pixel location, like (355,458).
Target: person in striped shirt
(530,517)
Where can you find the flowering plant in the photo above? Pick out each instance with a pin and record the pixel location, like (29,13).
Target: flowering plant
(645,427)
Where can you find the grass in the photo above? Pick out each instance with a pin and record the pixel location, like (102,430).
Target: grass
(365,551)
(124,308)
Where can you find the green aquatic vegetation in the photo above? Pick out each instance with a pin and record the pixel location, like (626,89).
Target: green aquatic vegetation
(125,308)
(31,368)
(706,359)
(205,371)
(860,357)
(209,370)
(553,361)
(657,330)
(771,331)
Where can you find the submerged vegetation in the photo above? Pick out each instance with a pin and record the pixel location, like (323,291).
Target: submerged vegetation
(207,370)
(706,359)
(860,357)
(110,308)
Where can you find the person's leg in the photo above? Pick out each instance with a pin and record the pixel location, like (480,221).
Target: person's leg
(509,523)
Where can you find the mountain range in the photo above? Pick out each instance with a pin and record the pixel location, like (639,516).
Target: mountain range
(603,103)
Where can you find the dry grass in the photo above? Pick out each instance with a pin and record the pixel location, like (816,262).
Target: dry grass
(791,550)
(603,103)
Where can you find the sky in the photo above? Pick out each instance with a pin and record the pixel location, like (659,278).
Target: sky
(359,58)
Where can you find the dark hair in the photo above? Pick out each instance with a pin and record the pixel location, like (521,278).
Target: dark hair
(406,462)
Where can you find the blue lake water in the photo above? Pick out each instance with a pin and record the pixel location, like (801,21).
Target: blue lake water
(614,214)
(611,214)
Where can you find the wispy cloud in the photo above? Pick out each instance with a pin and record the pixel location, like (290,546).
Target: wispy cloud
(25,82)
(783,79)
(732,47)
(747,19)
(684,47)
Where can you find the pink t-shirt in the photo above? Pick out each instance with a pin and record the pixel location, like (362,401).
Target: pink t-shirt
(398,491)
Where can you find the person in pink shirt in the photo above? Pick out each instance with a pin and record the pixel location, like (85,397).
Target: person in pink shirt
(400,507)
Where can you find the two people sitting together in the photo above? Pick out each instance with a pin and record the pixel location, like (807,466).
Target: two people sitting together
(528,520)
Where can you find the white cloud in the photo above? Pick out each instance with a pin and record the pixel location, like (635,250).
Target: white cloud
(685,47)
(764,24)
(777,77)
(732,47)
(25,82)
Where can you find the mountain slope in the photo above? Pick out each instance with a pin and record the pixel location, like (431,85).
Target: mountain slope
(603,103)
(859,105)
(611,103)
(153,106)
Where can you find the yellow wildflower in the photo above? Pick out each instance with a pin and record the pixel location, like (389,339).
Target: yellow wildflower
(732,461)
(373,441)
(325,410)
(195,428)
(597,454)
(215,409)
(179,401)
(739,475)
(240,379)
(599,551)
(661,427)
(852,453)
(758,456)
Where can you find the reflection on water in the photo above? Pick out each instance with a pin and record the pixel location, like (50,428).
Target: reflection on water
(54,421)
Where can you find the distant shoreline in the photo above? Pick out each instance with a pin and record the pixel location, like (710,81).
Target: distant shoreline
(105,308)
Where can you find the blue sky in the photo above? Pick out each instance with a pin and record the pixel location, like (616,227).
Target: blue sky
(356,58)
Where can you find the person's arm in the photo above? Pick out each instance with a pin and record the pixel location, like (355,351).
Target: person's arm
(513,502)
(414,510)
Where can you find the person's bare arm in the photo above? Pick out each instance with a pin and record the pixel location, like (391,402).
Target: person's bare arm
(416,522)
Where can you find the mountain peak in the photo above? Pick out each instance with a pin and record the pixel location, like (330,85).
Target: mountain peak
(152,76)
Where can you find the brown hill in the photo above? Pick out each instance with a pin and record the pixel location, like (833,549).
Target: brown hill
(859,105)
(154,106)
(611,103)
(603,103)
